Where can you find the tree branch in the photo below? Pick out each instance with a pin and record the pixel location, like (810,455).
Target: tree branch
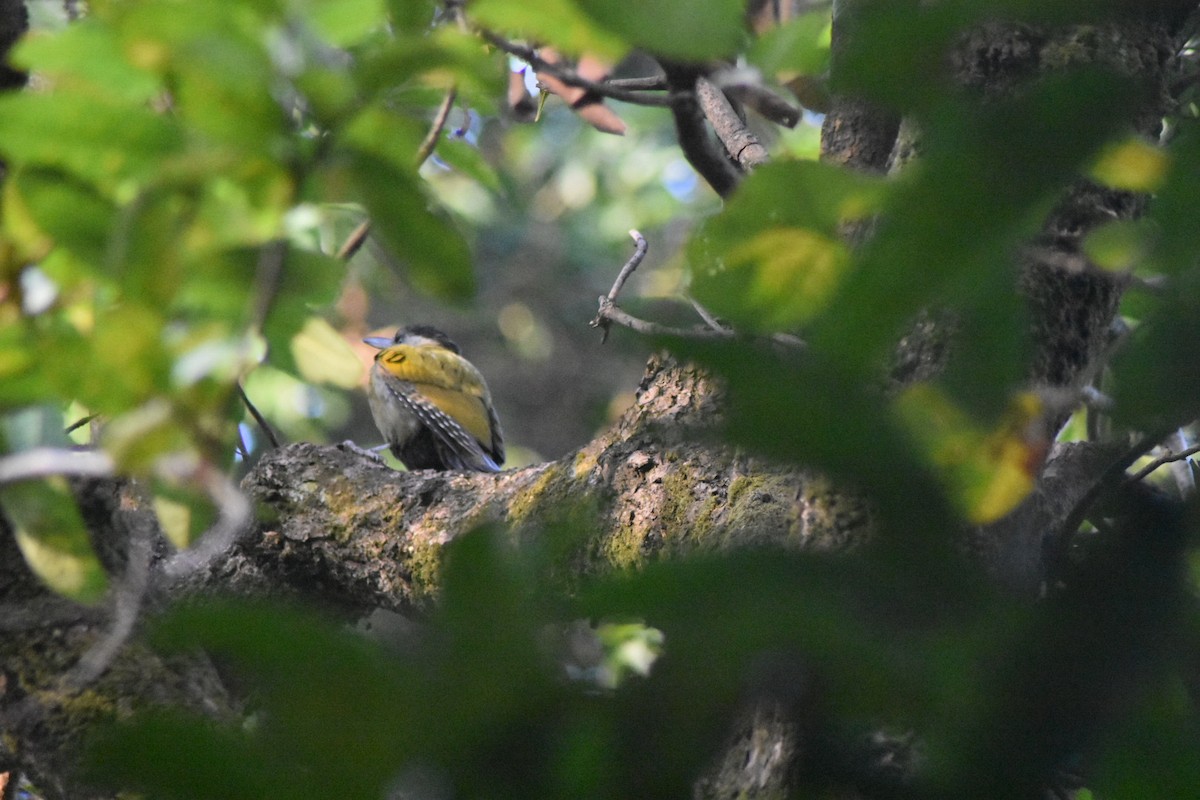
(742,145)
(610,89)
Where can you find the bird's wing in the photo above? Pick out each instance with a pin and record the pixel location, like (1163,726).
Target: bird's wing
(450,397)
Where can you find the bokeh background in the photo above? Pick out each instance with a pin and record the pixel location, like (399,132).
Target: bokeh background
(551,221)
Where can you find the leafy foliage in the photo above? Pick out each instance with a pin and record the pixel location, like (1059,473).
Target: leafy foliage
(158,180)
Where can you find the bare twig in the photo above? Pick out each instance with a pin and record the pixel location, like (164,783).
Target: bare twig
(354,241)
(258,417)
(705,314)
(1161,461)
(610,313)
(571,77)
(43,462)
(639,252)
(742,145)
(74,426)
(435,130)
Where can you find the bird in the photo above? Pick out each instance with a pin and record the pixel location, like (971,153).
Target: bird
(432,406)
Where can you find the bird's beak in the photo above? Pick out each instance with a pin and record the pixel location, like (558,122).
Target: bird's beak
(378,342)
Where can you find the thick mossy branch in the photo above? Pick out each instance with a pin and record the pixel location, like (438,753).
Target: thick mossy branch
(340,524)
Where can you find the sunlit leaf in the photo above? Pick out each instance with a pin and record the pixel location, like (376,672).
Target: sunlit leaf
(1120,246)
(139,437)
(322,355)
(1133,165)
(53,538)
(182,514)
(307,281)
(773,256)
(775,278)
(988,472)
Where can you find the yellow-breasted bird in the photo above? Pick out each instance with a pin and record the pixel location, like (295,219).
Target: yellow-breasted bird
(431,404)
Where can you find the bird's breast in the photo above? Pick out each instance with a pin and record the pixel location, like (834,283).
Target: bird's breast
(394,420)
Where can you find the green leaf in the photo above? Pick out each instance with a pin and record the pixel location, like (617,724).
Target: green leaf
(86,58)
(465,158)
(144,755)
(66,209)
(434,254)
(322,355)
(685,29)
(439,60)
(773,257)
(1174,207)
(987,472)
(308,281)
(344,22)
(800,47)
(561,23)
(411,16)
(98,141)
(949,234)
(53,539)
(1158,386)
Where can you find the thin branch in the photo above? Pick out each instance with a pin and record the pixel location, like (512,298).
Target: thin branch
(358,236)
(429,143)
(571,77)
(43,462)
(609,312)
(705,314)
(640,249)
(698,147)
(647,84)
(354,241)
(742,145)
(74,426)
(1163,461)
(1060,544)
(258,417)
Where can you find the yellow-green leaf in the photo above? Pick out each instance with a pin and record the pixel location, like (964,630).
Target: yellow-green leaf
(53,539)
(323,356)
(987,471)
(1133,165)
